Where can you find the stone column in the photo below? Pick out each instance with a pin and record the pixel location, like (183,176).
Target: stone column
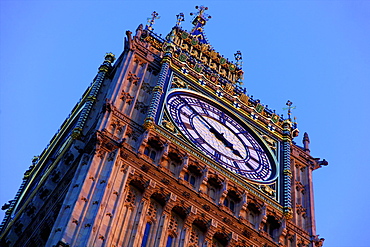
(158,91)
(91,98)
(287,174)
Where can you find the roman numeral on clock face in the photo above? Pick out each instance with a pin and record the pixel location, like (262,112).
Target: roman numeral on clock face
(185,114)
(217,155)
(236,165)
(200,140)
(222,118)
(264,172)
(188,126)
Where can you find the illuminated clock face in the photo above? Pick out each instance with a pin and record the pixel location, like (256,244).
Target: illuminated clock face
(220,135)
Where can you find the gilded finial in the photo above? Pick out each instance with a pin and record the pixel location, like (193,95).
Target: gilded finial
(289,108)
(200,17)
(201,13)
(199,21)
(295,123)
(109,57)
(180,18)
(151,20)
(239,59)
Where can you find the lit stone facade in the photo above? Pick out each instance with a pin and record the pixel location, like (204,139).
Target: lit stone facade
(121,172)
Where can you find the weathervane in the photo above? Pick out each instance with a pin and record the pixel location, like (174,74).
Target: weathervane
(180,18)
(289,108)
(152,20)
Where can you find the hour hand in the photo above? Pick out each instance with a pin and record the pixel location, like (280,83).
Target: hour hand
(220,136)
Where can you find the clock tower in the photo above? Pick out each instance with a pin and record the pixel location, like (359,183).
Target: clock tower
(166,148)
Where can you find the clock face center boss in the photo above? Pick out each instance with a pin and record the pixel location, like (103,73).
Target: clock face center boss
(221,135)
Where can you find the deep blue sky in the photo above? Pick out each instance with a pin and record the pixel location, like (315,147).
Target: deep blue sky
(314,53)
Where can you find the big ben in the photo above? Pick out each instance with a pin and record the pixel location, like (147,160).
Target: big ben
(166,148)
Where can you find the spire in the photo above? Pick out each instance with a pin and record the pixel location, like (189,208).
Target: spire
(199,22)
(306,142)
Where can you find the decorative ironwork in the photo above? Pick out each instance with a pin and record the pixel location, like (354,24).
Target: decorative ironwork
(201,14)
(289,108)
(180,18)
(238,58)
(151,20)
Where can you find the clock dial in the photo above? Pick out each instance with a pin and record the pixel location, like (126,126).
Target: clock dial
(220,135)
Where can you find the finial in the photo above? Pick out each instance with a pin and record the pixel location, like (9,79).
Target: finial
(109,57)
(199,21)
(305,137)
(201,18)
(201,13)
(295,123)
(152,20)
(306,142)
(289,108)
(238,58)
(239,63)
(180,18)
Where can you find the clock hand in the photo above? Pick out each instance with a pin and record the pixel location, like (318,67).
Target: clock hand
(218,135)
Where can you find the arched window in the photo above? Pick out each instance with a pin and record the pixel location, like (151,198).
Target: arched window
(192,179)
(253,214)
(197,233)
(175,225)
(271,227)
(219,240)
(231,200)
(146,234)
(192,176)
(169,241)
(153,217)
(174,163)
(232,205)
(214,187)
(152,149)
(173,168)
(212,193)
